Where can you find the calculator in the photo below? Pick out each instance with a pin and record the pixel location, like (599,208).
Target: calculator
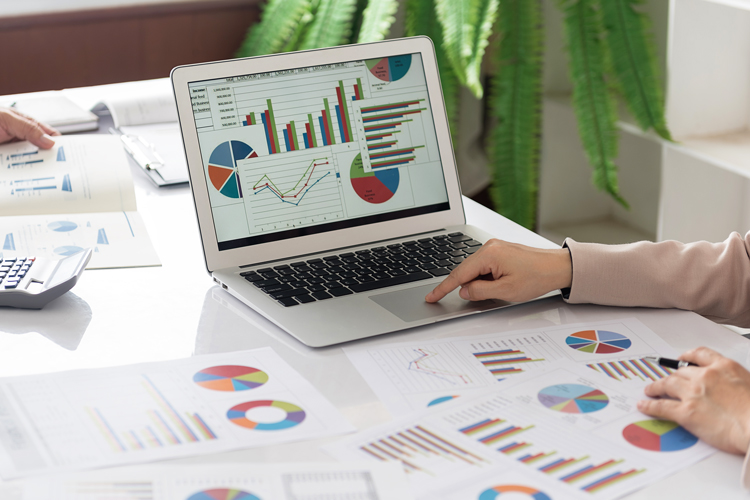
(30,282)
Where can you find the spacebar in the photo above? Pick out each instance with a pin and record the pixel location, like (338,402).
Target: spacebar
(398,280)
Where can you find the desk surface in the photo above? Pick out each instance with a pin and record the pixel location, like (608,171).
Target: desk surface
(122,316)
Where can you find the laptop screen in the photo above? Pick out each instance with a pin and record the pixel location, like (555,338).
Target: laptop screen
(314,149)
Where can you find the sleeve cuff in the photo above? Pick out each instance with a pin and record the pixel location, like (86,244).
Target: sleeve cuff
(746,471)
(566,291)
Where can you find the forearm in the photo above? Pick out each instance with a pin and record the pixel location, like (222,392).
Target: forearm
(712,279)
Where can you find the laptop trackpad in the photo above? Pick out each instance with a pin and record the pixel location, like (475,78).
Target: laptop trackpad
(409,304)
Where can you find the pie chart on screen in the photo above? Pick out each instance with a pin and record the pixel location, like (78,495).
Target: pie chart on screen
(389,69)
(598,342)
(373,187)
(222,167)
(223,494)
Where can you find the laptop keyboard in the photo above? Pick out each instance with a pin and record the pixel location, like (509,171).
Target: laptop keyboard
(363,270)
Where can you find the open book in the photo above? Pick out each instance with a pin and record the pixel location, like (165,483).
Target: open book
(78,194)
(151,122)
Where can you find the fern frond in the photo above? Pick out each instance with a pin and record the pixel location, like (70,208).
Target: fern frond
(331,24)
(377,20)
(515,104)
(467,25)
(421,19)
(593,102)
(279,24)
(632,54)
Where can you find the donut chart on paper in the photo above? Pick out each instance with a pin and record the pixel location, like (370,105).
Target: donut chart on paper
(497,492)
(441,399)
(230,378)
(222,167)
(223,494)
(573,398)
(658,435)
(294,415)
(598,342)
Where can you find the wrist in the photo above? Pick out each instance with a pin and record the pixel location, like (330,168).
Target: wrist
(562,269)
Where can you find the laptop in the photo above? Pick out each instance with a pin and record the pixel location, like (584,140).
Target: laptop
(325,187)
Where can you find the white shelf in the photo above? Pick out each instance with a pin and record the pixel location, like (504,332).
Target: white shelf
(737,4)
(729,151)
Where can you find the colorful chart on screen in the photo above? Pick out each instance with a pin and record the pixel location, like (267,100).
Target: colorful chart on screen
(390,69)
(441,399)
(373,187)
(294,415)
(62,226)
(498,491)
(223,494)
(230,378)
(598,341)
(658,435)
(222,167)
(573,398)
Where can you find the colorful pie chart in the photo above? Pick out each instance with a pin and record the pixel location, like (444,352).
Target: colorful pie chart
(294,415)
(230,378)
(223,494)
(373,187)
(389,69)
(573,398)
(598,341)
(658,435)
(497,492)
(222,167)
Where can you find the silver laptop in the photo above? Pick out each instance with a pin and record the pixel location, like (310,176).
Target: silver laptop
(326,188)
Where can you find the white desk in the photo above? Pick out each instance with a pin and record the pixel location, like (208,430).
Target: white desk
(123,316)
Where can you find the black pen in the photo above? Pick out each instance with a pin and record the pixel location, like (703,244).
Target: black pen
(668,363)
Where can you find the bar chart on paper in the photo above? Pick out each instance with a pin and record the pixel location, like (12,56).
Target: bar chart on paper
(292,190)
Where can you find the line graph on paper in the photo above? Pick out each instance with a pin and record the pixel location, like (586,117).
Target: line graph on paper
(291,190)
(427,368)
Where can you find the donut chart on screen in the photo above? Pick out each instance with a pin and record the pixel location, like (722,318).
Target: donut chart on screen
(389,69)
(658,435)
(223,494)
(230,378)
(222,167)
(497,492)
(294,415)
(573,398)
(373,187)
(598,341)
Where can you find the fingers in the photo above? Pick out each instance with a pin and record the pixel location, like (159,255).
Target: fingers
(468,270)
(674,386)
(666,409)
(701,356)
(481,290)
(25,129)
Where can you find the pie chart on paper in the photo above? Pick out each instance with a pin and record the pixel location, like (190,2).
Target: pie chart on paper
(223,494)
(573,398)
(658,435)
(598,342)
(508,490)
(230,378)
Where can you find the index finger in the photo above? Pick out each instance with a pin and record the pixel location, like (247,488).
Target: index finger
(468,270)
(701,356)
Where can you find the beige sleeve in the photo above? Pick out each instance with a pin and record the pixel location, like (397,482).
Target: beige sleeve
(712,279)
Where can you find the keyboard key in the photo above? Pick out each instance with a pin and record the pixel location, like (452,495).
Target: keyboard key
(458,260)
(314,261)
(248,273)
(471,250)
(455,234)
(266,283)
(265,270)
(347,254)
(304,299)
(397,280)
(289,293)
(339,292)
(428,266)
(398,272)
(315,288)
(395,245)
(277,288)
(409,243)
(298,264)
(349,281)
(269,275)
(440,271)
(444,263)
(283,266)
(332,284)
(413,269)
(304,268)
(459,239)
(286,271)
(331,257)
(362,252)
(288,302)
(472,243)
(424,240)
(457,246)
(322,295)
(440,237)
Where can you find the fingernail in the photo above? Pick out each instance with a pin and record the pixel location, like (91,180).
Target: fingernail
(47,141)
(463,293)
(641,404)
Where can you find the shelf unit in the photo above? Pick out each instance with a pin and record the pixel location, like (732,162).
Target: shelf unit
(697,188)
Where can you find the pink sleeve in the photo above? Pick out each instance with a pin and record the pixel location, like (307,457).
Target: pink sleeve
(712,279)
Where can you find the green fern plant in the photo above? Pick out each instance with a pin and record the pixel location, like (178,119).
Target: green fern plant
(610,54)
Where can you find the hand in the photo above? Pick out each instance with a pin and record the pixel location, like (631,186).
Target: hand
(507,271)
(711,400)
(15,125)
